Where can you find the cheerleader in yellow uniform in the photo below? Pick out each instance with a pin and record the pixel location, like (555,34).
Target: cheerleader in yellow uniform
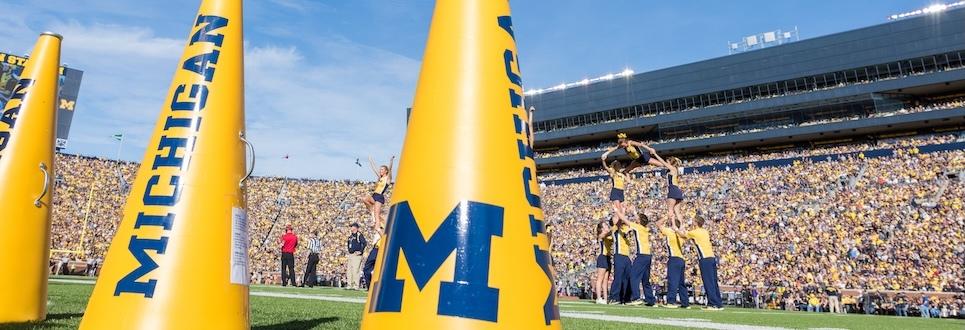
(375,201)
(604,239)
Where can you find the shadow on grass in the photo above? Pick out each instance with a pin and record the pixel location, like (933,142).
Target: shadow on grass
(62,316)
(297,324)
(50,322)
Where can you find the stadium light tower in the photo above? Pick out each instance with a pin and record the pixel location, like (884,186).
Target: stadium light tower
(931,9)
(626,73)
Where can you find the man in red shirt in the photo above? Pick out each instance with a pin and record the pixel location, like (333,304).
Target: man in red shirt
(288,243)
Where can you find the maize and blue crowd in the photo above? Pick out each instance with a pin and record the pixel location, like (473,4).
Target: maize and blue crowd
(797,237)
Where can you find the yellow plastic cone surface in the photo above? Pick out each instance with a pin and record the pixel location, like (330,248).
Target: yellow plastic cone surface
(179,258)
(27,132)
(465,245)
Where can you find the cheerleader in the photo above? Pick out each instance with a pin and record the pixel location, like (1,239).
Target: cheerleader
(605,241)
(618,184)
(639,153)
(375,201)
(675,195)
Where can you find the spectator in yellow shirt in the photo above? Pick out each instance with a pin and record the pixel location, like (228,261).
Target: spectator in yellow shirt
(814,304)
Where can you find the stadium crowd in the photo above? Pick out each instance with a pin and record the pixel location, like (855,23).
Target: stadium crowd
(87,191)
(791,233)
(325,207)
(856,223)
(90,191)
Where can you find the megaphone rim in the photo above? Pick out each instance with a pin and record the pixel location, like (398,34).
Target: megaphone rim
(52,34)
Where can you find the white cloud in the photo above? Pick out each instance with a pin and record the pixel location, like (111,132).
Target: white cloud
(16,36)
(268,57)
(300,5)
(116,40)
(325,102)
(126,75)
(343,102)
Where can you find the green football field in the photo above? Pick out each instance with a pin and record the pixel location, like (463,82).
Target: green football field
(326,308)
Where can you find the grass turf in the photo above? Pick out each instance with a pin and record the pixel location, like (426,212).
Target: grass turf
(68,300)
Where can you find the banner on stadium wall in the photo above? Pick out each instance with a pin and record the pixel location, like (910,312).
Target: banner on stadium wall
(11,66)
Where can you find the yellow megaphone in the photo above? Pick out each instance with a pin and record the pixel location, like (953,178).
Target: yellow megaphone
(465,242)
(27,133)
(179,257)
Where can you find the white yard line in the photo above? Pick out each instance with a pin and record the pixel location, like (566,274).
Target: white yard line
(591,315)
(305,296)
(60,280)
(581,305)
(675,323)
(253,293)
(587,315)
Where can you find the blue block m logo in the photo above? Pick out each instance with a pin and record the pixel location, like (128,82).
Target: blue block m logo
(468,230)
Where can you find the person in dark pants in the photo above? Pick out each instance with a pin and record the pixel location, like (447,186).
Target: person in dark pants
(707,263)
(676,284)
(288,243)
(369,266)
(640,267)
(353,265)
(621,266)
(311,275)
(901,304)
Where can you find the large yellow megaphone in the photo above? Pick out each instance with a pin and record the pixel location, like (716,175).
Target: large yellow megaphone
(465,244)
(179,258)
(27,133)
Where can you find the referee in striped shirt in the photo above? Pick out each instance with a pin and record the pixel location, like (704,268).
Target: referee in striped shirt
(314,246)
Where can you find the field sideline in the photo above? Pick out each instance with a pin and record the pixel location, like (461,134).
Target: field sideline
(326,308)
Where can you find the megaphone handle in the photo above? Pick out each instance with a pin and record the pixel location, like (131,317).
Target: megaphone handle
(251,147)
(43,168)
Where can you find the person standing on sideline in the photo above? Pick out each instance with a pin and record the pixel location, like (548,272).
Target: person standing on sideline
(288,243)
(311,275)
(706,262)
(356,245)
(89,271)
(924,307)
(866,303)
(834,299)
(901,304)
(369,266)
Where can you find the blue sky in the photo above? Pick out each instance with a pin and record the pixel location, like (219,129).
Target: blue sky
(328,81)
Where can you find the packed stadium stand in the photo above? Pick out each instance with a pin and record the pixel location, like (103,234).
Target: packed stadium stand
(836,161)
(886,222)
(92,191)
(830,162)
(898,77)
